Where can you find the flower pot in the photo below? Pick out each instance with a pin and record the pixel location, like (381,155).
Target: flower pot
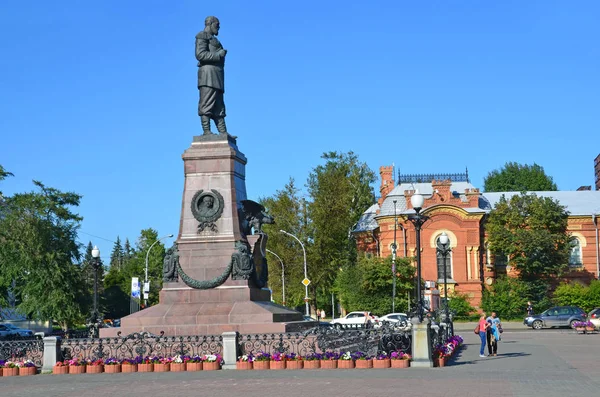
(192,367)
(10,371)
(113,369)
(345,364)
(364,364)
(62,370)
(580,329)
(94,369)
(385,363)
(177,367)
(76,369)
(161,367)
(441,362)
(145,367)
(129,368)
(261,365)
(243,365)
(312,364)
(329,364)
(211,366)
(590,329)
(277,364)
(27,371)
(296,364)
(399,363)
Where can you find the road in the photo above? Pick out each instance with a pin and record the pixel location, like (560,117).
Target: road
(529,363)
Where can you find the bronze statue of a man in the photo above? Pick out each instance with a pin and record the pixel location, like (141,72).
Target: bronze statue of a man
(211,77)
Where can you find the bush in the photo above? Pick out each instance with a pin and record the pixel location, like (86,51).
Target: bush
(507,297)
(575,294)
(459,304)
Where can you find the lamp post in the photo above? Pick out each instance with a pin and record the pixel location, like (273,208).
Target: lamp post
(418,220)
(394,262)
(306,299)
(282,276)
(146,286)
(95,315)
(443,248)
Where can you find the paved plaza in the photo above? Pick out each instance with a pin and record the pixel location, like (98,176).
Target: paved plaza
(529,363)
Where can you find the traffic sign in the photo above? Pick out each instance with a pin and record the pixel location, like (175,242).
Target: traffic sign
(306,282)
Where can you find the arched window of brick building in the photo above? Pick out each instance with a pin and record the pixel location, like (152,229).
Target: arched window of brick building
(575,256)
(440,264)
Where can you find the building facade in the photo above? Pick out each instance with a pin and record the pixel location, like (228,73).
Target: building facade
(459,209)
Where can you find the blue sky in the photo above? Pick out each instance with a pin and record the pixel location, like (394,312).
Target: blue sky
(100,98)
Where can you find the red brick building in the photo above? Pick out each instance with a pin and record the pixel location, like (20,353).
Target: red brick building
(458,208)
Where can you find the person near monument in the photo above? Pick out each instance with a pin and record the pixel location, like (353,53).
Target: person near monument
(529,308)
(211,77)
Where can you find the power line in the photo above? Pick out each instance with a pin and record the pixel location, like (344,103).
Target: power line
(101,238)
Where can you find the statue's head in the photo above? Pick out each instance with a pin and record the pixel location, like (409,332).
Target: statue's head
(212,25)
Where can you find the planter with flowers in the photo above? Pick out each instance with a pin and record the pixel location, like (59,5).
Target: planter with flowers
(277,361)
(329,360)
(346,361)
(362,360)
(147,364)
(399,359)
(10,368)
(440,354)
(211,362)
(312,361)
(381,361)
(130,364)
(112,366)
(76,366)
(584,327)
(2,362)
(193,364)
(27,368)
(244,362)
(262,360)
(94,366)
(293,361)
(163,364)
(178,363)
(60,368)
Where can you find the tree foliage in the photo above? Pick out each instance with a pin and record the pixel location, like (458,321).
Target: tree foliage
(368,284)
(532,232)
(515,177)
(461,306)
(507,297)
(576,294)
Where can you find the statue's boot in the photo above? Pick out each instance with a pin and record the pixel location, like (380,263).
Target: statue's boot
(206,125)
(222,128)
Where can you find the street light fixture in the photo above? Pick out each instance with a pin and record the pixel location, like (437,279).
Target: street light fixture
(443,248)
(95,317)
(146,285)
(418,220)
(282,276)
(394,262)
(307,309)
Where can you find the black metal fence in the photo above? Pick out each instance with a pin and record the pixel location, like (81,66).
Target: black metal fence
(140,344)
(22,349)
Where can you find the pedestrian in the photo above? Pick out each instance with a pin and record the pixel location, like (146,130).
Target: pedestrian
(529,308)
(493,334)
(482,330)
(322,315)
(317,314)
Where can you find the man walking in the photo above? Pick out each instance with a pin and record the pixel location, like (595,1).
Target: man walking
(211,77)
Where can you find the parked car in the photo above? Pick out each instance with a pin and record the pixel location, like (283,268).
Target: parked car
(356,318)
(13,330)
(558,316)
(594,317)
(396,318)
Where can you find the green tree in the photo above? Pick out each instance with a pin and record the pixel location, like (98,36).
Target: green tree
(287,208)
(576,294)
(340,191)
(532,232)
(368,284)
(515,177)
(507,297)
(39,252)
(459,304)
(117,255)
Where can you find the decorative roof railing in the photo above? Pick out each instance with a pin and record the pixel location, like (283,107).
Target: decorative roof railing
(427,178)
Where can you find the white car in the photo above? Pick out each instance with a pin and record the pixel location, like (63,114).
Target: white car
(356,318)
(396,319)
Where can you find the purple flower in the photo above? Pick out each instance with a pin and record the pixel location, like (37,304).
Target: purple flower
(262,356)
(313,356)
(330,356)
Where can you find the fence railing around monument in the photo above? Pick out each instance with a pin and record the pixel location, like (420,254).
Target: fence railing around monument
(140,344)
(22,349)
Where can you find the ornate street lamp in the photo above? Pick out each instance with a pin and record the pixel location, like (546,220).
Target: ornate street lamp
(394,262)
(443,248)
(95,317)
(418,220)
(282,276)
(305,281)
(146,285)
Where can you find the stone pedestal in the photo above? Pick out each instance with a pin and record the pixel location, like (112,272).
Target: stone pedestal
(421,344)
(213,164)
